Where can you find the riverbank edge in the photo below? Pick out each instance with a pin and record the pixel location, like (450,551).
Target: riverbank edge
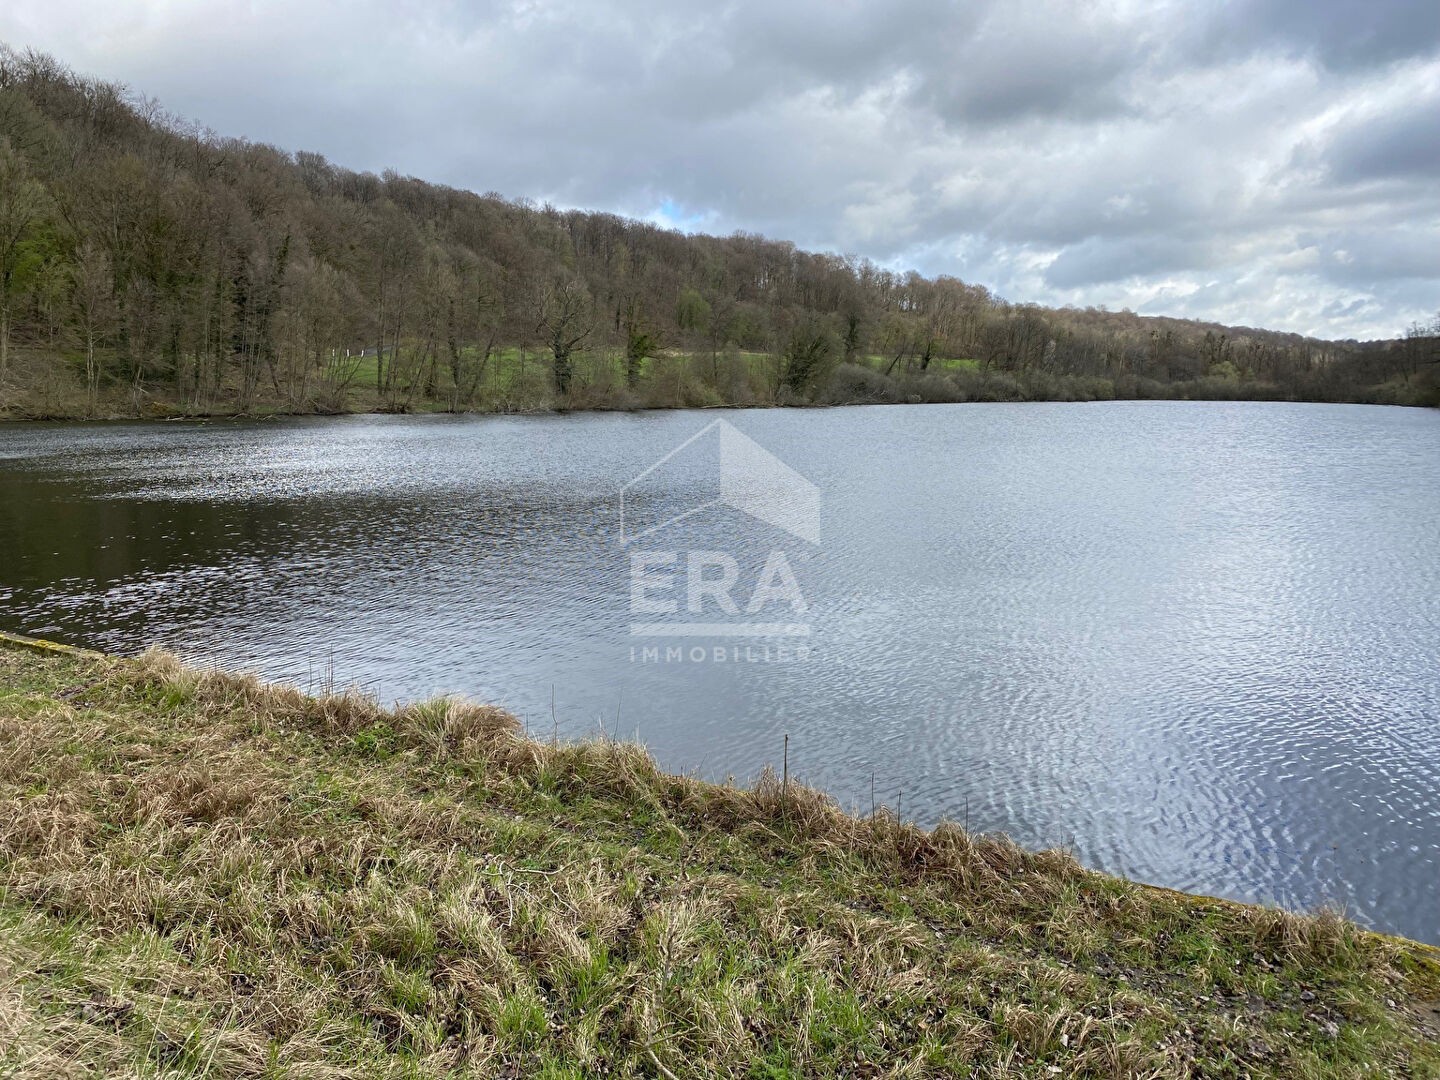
(189,416)
(1332,983)
(44,646)
(162,411)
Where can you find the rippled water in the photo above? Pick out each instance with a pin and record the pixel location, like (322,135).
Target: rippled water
(1196,642)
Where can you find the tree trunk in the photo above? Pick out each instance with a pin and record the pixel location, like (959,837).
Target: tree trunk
(92,376)
(563,371)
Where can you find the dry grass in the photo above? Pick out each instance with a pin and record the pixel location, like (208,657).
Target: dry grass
(201,874)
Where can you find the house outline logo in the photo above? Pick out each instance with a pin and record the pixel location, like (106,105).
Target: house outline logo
(753,482)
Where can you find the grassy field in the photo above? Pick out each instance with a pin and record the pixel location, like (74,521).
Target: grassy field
(201,875)
(508,367)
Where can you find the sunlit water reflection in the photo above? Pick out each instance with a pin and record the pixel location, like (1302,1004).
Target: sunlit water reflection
(1197,642)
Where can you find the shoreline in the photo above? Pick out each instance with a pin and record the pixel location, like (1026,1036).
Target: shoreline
(188,851)
(45,646)
(184,416)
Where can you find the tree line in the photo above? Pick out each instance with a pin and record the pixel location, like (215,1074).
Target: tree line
(151,266)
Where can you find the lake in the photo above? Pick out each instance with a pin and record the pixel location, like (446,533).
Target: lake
(1196,643)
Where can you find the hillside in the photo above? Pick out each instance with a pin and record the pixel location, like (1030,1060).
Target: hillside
(201,875)
(149,266)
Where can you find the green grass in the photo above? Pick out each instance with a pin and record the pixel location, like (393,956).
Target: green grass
(502,369)
(201,875)
(937,363)
(506,369)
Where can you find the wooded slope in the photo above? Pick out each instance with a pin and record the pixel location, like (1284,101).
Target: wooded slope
(147,263)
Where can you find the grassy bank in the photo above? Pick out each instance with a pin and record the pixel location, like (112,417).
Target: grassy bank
(42,386)
(204,875)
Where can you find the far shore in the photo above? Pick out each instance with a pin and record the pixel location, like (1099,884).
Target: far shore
(166,410)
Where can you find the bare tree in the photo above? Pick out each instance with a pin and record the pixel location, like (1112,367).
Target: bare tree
(567,317)
(93,303)
(1422,343)
(22,200)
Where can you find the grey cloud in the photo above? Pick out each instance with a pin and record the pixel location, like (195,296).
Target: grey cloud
(1403,144)
(848,44)
(1373,257)
(1029,60)
(1342,34)
(1348,309)
(1097,260)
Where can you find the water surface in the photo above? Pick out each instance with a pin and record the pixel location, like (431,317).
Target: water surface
(1195,642)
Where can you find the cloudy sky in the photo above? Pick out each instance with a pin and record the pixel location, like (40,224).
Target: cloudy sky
(1260,162)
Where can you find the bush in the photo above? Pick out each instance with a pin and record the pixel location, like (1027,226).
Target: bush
(931,388)
(856,384)
(988,386)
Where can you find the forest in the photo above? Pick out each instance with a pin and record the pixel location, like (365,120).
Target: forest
(151,267)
